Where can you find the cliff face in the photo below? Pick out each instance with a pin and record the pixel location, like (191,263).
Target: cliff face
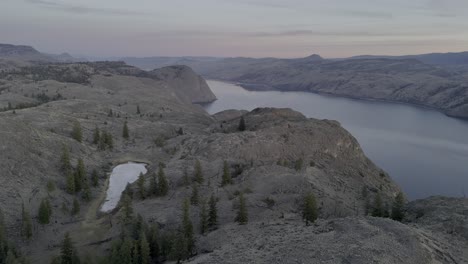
(188,86)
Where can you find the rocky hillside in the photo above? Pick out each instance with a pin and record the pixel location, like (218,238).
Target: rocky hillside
(22,53)
(273,161)
(405,79)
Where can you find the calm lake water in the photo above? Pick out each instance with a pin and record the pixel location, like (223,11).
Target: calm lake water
(424,151)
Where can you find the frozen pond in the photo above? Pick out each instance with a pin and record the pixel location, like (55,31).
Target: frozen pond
(121,175)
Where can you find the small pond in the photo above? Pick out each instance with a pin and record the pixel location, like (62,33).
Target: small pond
(121,175)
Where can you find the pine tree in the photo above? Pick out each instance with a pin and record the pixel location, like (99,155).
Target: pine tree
(68,253)
(70,182)
(242,214)
(242,124)
(26,224)
(86,190)
(76,207)
(378,210)
(153,188)
(95,178)
(203,218)
(188,226)
(44,212)
(136,253)
(141,186)
(309,209)
(154,241)
(127,207)
(194,199)
(213,213)
(178,250)
(144,250)
(77,133)
(226,175)
(163,186)
(397,209)
(125,133)
(198,177)
(96,136)
(80,175)
(65,160)
(138,109)
(126,251)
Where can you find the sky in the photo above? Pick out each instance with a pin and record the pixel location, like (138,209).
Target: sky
(232,28)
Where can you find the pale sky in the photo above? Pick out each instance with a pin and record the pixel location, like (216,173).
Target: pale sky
(228,28)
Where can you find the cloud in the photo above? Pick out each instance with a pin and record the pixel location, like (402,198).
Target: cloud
(79,9)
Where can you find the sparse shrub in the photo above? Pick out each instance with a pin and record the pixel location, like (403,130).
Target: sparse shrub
(309,209)
(50,186)
(298,164)
(269,202)
(77,132)
(242,214)
(160,141)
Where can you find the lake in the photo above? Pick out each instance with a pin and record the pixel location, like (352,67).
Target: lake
(423,150)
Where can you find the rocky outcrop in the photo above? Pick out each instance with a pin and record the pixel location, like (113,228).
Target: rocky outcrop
(189,86)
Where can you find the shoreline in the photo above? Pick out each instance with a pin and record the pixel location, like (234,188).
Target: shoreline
(366,99)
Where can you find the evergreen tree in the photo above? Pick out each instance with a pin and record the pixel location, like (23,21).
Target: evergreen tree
(138,109)
(194,199)
(397,209)
(203,218)
(153,188)
(378,210)
(68,253)
(309,209)
(86,190)
(70,182)
(126,251)
(65,160)
(154,242)
(144,250)
(212,213)
(141,186)
(188,226)
(242,214)
(179,250)
(26,224)
(96,136)
(136,253)
(77,133)
(80,175)
(127,207)
(76,207)
(163,186)
(125,133)
(95,178)
(198,177)
(242,124)
(226,175)
(44,212)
